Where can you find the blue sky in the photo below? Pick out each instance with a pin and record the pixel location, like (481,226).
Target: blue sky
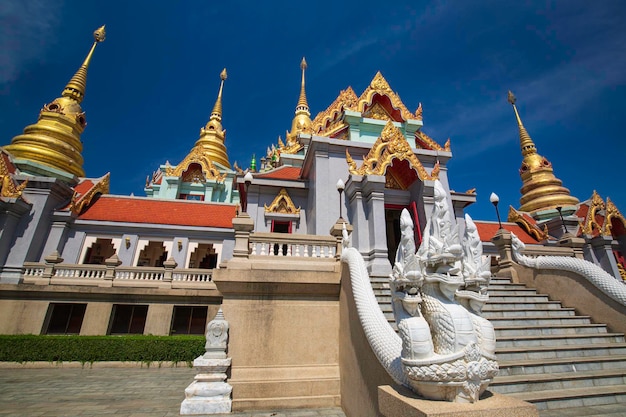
(153,82)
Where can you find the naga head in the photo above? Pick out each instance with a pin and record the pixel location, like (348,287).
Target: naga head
(517,244)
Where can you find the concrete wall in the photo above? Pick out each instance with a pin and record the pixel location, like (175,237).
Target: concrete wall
(284,328)
(361,372)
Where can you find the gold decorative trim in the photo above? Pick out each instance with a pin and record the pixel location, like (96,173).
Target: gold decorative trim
(430,142)
(291,148)
(622,271)
(377,112)
(282,204)
(389,146)
(596,205)
(8,186)
(612,212)
(346,100)
(79,202)
(418,112)
(531,229)
(380,86)
(197,156)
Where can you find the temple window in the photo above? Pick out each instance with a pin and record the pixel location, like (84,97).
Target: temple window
(99,251)
(188,320)
(280,227)
(153,254)
(128,319)
(64,318)
(204,257)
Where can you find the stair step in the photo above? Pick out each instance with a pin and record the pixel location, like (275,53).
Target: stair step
(557,365)
(547,305)
(559,329)
(574,397)
(539,320)
(558,340)
(492,286)
(529,312)
(508,298)
(520,383)
(515,291)
(564,351)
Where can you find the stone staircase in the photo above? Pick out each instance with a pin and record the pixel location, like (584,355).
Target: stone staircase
(547,354)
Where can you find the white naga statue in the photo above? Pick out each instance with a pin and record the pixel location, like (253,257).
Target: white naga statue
(444,349)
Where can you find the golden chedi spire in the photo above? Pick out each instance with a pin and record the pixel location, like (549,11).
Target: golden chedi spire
(541,190)
(212,135)
(52,146)
(302,121)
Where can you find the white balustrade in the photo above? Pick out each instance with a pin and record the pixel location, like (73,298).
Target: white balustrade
(292,245)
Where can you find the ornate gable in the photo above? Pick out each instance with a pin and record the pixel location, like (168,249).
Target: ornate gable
(80,200)
(426,142)
(528,224)
(389,146)
(282,204)
(380,87)
(591,220)
(611,213)
(8,186)
(329,121)
(196,156)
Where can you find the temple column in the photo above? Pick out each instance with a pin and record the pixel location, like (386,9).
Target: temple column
(58,232)
(374,199)
(602,247)
(357,214)
(13,211)
(504,242)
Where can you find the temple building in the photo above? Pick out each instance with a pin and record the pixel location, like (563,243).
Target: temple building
(261,242)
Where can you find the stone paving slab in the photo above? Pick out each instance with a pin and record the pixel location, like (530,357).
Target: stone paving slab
(145,392)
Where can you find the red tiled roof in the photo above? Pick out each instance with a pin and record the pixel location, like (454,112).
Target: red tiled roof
(282,173)
(147,210)
(488,230)
(84,186)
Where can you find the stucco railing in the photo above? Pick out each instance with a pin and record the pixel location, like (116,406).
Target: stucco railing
(115,275)
(291,245)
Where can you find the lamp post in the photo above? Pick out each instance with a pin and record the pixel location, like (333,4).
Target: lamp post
(247,180)
(340,187)
(561,216)
(495,200)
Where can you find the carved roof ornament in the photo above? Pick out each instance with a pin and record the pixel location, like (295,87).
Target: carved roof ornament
(427,142)
(8,186)
(292,146)
(380,86)
(389,146)
(597,204)
(282,204)
(196,156)
(329,120)
(612,212)
(529,227)
(79,202)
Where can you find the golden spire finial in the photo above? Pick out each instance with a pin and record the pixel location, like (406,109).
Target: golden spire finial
(217,109)
(75,88)
(302,103)
(541,190)
(526,143)
(302,121)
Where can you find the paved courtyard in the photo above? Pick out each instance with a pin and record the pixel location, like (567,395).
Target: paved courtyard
(142,392)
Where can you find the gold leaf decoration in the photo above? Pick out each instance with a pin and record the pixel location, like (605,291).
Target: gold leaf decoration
(389,146)
(282,204)
(196,156)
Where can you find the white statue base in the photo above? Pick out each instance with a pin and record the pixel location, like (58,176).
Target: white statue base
(395,401)
(208,393)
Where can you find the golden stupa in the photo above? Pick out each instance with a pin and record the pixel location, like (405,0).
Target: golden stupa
(302,121)
(541,190)
(54,141)
(211,141)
